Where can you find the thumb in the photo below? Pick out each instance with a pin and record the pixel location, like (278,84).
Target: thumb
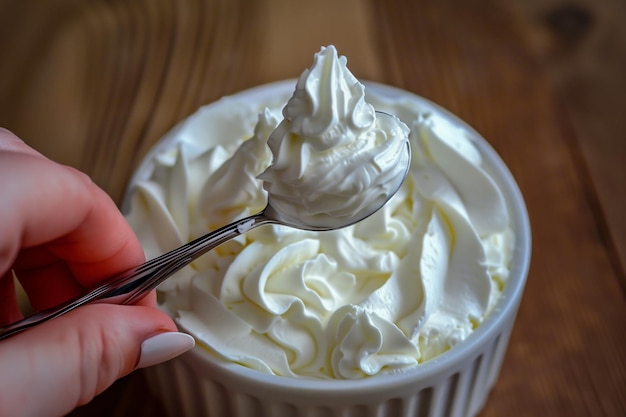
(57,366)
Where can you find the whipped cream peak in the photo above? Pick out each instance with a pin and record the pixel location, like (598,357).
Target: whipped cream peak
(328,106)
(335,159)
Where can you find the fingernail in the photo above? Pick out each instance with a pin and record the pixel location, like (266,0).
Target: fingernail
(163,347)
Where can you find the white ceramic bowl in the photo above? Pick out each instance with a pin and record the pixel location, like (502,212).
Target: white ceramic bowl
(455,383)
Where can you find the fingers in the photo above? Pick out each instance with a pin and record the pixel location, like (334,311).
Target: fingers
(66,362)
(9,307)
(11,143)
(61,234)
(59,207)
(63,214)
(49,284)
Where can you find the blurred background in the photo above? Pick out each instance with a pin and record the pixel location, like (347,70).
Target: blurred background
(94,84)
(74,74)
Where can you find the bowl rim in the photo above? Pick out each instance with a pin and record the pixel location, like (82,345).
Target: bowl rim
(443,364)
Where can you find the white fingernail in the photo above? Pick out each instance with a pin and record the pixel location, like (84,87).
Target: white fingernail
(163,347)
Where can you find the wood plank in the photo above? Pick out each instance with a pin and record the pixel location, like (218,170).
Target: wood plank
(104,80)
(581,46)
(345,24)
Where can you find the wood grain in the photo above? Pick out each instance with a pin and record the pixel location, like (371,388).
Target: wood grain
(582,48)
(98,83)
(95,84)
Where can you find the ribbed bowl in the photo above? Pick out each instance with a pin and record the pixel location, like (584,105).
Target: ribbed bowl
(456,383)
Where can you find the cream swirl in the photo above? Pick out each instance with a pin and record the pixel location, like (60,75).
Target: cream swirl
(334,158)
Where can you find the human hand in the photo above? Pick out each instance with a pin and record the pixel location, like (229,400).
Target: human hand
(62,234)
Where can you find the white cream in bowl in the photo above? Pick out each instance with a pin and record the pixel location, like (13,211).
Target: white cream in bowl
(387,294)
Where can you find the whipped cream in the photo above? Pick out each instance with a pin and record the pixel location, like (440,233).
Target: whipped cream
(397,289)
(334,158)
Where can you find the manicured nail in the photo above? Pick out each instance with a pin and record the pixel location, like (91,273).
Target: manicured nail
(163,347)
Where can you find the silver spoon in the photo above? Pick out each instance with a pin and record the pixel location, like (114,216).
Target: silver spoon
(133,284)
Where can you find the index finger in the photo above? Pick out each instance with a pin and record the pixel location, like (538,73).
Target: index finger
(53,206)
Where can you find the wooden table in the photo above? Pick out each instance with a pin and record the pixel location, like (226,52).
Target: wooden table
(95,84)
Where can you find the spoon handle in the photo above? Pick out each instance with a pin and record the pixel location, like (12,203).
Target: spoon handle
(133,284)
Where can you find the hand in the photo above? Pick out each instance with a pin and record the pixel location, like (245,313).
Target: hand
(60,234)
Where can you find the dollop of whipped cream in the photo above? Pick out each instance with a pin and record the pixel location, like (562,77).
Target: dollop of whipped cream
(384,295)
(334,158)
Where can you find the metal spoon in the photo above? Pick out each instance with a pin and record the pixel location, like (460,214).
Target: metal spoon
(136,282)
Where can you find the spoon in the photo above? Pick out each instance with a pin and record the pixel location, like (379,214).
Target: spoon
(133,284)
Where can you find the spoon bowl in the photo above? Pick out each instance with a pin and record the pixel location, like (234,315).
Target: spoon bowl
(133,284)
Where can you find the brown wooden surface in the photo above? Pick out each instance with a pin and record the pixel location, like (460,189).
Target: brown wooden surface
(95,84)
